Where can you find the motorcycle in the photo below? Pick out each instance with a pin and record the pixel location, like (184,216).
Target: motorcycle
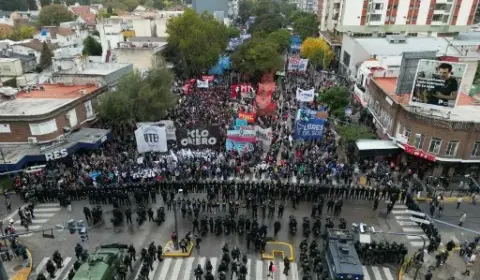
(204,226)
(142,215)
(241,224)
(306,226)
(342,224)
(117,219)
(218,226)
(292,225)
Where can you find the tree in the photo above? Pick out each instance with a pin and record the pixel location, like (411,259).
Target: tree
(245,10)
(45,57)
(22,32)
(267,22)
(91,47)
(305,24)
(233,32)
(5,31)
(54,14)
(13,5)
(257,56)
(57,2)
(196,41)
(336,98)
(32,5)
(139,98)
(45,3)
(350,133)
(158,4)
(280,37)
(311,46)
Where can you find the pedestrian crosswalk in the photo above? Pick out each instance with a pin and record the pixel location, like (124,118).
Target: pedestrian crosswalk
(42,212)
(402,217)
(183,269)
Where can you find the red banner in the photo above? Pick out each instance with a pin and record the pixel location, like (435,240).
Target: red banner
(409,149)
(208,78)
(250,117)
(235,90)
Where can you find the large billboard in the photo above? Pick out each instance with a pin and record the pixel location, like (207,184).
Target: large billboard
(437,83)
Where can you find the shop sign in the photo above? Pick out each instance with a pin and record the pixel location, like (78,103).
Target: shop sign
(409,149)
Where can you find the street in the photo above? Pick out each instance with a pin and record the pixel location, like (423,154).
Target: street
(49,215)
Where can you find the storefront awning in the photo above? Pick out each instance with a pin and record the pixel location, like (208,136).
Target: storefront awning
(17,157)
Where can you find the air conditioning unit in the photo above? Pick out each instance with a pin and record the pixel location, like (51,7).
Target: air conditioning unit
(83,91)
(32,140)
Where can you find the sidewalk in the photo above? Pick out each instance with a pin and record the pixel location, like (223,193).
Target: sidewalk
(17,268)
(453,267)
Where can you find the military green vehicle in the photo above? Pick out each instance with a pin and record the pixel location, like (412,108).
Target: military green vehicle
(103,263)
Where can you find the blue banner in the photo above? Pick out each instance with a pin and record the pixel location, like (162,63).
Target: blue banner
(240,122)
(309,130)
(223,64)
(240,147)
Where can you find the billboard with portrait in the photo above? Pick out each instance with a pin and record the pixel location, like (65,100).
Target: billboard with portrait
(437,83)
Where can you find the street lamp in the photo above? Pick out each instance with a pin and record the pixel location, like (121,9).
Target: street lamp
(406,234)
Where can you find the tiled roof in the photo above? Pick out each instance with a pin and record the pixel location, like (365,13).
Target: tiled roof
(54,30)
(80,10)
(90,19)
(37,45)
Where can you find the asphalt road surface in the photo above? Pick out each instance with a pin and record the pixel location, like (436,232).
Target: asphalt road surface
(51,214)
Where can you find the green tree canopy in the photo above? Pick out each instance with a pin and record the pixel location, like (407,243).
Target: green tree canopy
(139,98)
(280,37)
(233,32)
(257,56)
(45,57)
(91,47)
(245,10)
(353,132)
(54,14)
(305,24)
(13,5)
(336,98)
(268,22)
(32,5)
(196,41)
(45,3)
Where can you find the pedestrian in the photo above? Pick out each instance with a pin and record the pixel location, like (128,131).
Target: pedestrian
(429,275)
(375,203)
(462,219)
(467,269)
(459,201)
(271,269)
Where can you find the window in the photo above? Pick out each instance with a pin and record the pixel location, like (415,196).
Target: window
(72,117)
(5,128)
(88,108)
(452,147)
(378,6)
(346,58)
(418,143)
(476,149)
(435,144)
(43,128)
(375,17)
(437,17)
(407,134)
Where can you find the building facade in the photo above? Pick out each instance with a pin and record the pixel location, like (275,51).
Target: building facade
(46,113)
(433,144)
(210,6)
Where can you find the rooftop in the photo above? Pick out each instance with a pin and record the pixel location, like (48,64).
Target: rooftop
(80,10)
(18,56)
(54,30)
(37,45)
(39,102)
(382,46)
(95,69)
(375,144)
(467,106)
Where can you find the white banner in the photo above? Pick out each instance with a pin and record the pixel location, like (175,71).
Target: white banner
(264,135)
(151,139)
(297,64)
(202,84)
(169,125)
(305,95)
